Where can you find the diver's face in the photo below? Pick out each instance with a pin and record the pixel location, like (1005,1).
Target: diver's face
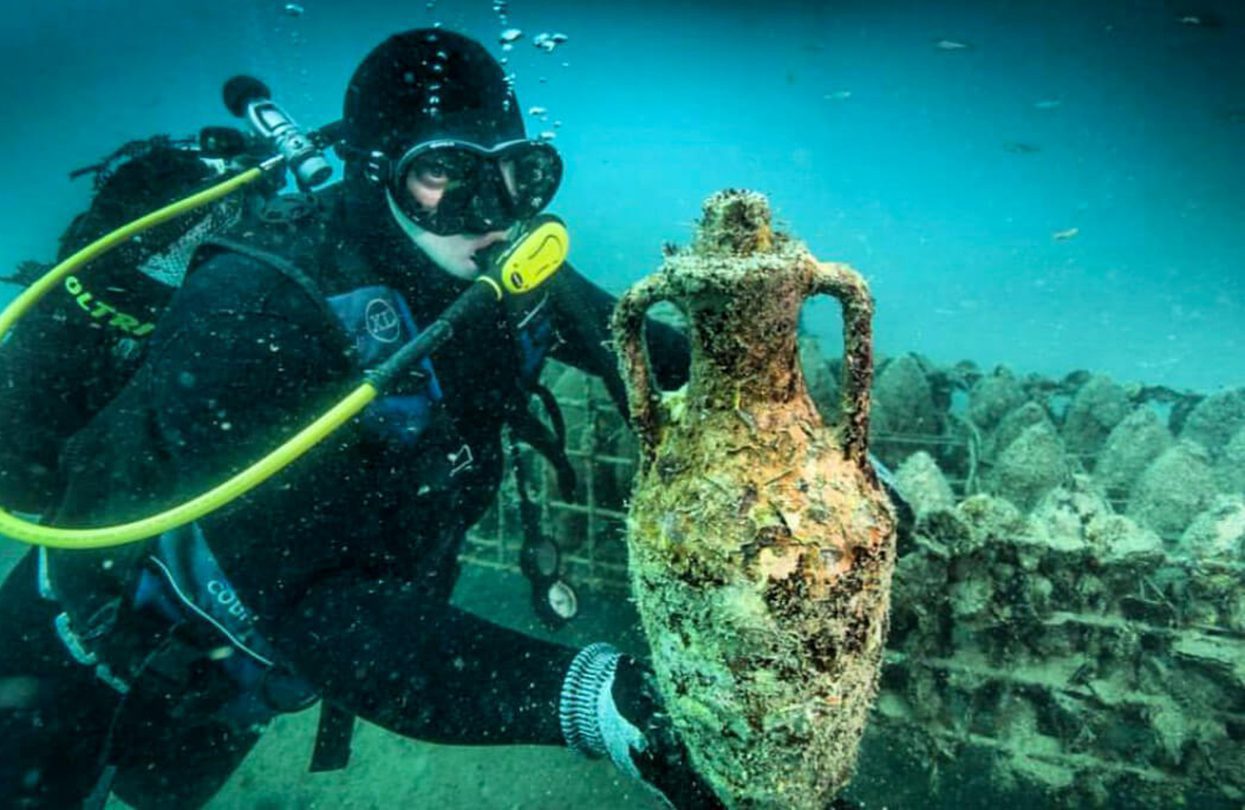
(454,253)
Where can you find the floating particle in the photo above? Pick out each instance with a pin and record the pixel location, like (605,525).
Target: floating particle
(18,692)
(1065,235)
(294,9)
(838,95)
(1047,104)
(952,45)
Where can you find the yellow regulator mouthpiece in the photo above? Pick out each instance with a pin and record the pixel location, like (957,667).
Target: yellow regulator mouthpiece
(535,256)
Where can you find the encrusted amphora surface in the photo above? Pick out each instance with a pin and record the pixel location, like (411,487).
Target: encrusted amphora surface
(761,545)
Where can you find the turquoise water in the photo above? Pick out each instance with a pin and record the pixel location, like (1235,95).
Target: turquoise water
(877,146)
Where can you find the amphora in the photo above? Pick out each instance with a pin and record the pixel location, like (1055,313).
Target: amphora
(761,544)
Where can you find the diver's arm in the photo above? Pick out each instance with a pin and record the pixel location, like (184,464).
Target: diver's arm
(422,668)
(582,313)
(245,363)
(238,362)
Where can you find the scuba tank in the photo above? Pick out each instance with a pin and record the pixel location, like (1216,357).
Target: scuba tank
(69,357)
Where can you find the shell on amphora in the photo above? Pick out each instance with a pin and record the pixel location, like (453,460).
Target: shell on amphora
(761,544)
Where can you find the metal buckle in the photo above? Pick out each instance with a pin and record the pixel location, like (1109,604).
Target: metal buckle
(376,167)
(79,652)
(460,459)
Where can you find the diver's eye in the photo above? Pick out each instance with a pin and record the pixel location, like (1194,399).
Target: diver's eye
(434,176)
(434,172)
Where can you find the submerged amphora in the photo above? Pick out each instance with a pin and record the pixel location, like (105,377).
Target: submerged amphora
(761,544)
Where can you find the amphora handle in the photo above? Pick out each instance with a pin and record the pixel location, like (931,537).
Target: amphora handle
(643,394)
(849,287)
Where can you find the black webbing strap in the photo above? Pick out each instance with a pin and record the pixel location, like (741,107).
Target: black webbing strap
(333,736)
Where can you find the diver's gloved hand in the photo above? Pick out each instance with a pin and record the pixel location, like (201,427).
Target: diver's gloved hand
(610,707)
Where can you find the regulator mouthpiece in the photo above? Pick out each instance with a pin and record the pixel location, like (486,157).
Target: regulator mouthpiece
(534,254)
(249,98)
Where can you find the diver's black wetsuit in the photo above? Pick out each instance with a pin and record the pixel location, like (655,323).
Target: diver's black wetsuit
(346,559)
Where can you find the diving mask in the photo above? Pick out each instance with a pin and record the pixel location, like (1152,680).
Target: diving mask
(457,187)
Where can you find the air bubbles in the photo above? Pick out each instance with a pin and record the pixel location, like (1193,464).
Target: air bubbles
(547,42)
(509,37)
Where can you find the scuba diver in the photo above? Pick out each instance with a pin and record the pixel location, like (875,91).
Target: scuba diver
(150,669)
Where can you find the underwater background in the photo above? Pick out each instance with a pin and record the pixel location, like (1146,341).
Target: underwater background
(1055,187)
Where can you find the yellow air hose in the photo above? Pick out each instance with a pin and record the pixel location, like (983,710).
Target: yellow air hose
(530,261)
(53,537)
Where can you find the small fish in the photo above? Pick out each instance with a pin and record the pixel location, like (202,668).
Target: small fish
(838,95)
(952,45)
(537,111)
(1202,20)
(294,9)
(510,35)
(1020,148)
(1065,235)
(1047,104)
